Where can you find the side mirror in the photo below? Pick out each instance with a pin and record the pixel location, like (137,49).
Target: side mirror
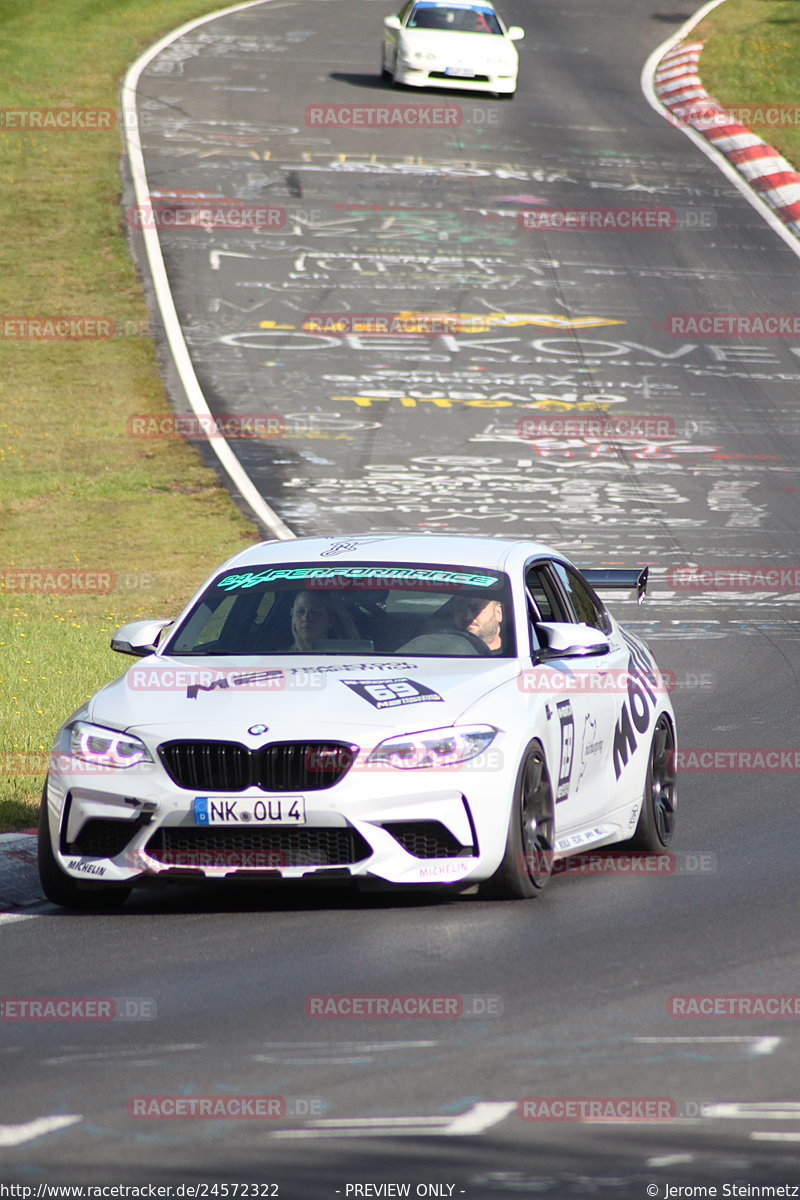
(562,640)
(138,638)
(516,33)
(391,22)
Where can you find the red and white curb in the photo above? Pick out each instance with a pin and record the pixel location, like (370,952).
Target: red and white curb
(677,85)
(672,86)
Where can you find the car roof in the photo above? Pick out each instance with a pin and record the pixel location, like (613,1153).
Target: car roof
(474,5)
(427,548)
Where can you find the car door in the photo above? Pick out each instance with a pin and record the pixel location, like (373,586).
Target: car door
(585,695)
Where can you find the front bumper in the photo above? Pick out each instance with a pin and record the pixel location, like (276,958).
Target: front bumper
(400,827)
(424,77)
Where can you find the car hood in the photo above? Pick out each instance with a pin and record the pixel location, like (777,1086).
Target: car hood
(472,47)
(303,696)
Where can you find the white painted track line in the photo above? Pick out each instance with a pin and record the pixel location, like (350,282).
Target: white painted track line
(18,1135)
(172,327)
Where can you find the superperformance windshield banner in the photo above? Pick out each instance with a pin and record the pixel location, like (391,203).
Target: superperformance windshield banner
(425,576)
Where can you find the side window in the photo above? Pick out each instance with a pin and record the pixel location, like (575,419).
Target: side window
(540,588)
(404,11)
(589,609)
(538,585)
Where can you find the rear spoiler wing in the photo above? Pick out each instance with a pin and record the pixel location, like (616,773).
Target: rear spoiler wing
(618,579)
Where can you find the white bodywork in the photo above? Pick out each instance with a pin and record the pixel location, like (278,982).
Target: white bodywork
(449,57)
(594,752)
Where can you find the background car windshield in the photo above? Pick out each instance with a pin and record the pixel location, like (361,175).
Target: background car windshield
(460,20)
(346,608)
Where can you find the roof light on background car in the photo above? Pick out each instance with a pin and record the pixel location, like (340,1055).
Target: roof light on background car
(434,747)
(106,747)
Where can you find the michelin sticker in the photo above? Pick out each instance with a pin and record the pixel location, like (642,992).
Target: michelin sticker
(391,693)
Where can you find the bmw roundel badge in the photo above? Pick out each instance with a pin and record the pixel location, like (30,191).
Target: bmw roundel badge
(257,729)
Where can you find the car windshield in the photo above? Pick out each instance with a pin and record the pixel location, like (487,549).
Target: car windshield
(460,20)
(346,608)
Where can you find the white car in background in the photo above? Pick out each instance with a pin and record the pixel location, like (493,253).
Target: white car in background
(395,710)
(441,43)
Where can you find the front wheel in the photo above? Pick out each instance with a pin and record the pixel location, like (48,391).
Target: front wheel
(657,819)
(61,888)
(528,860)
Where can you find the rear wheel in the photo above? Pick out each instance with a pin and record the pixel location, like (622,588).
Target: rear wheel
(61,888)
(528,860)
(657,819)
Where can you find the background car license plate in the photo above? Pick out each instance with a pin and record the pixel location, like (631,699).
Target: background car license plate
(461,71)
(272,810)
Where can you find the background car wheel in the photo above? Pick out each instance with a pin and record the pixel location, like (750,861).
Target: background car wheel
(61,888)
(657,818)
(528,860)
(385,72)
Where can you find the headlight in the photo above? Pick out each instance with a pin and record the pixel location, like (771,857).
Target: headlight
(105,747)
(433,747)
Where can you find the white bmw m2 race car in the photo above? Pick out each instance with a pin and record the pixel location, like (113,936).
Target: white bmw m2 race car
(400,710)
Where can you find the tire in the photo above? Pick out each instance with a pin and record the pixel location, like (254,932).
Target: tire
(656,822)
(60,888)
(385,72)
(528,860)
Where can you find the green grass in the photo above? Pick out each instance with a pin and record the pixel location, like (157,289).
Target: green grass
(750,57)
(75,490)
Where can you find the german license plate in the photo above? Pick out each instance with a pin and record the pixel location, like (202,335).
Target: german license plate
(242,811)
